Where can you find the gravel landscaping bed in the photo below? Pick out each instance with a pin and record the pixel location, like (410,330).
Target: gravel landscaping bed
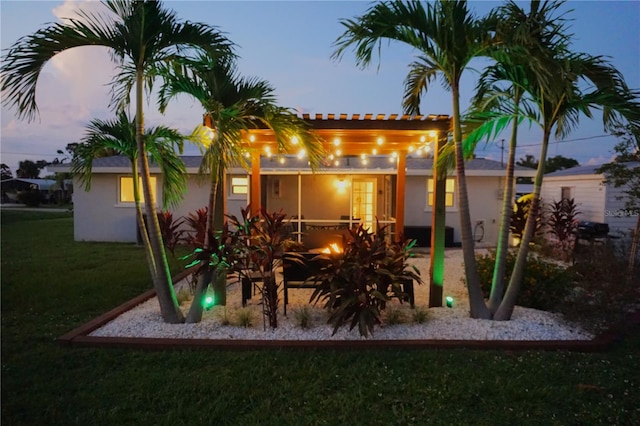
(441,324)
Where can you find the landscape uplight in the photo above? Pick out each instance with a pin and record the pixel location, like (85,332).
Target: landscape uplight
(449,301)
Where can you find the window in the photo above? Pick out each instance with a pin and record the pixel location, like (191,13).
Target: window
(565,193)
(449,192)
(126,189)
(239,185)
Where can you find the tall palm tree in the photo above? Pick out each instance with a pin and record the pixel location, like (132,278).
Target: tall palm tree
(140,34)
(447,36)
(105,138)
(233,105)
(581,84)
(528,40)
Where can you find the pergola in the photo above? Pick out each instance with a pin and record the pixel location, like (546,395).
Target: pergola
(361,136)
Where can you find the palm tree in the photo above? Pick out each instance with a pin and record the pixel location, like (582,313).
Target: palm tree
(233,105)
(560,104)
(528,40)
(140,34)
(447,37)
(105,138)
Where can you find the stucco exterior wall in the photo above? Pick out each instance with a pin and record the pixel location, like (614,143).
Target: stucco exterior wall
(99,216)
(485,201)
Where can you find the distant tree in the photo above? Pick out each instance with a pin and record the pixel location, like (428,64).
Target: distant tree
(624,172)
(528,161)
(559,163)
(29,169)
(69,155)
(552,164)
(5,172)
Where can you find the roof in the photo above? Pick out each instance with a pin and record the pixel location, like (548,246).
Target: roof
(43,184)
(351,164)
(584,170)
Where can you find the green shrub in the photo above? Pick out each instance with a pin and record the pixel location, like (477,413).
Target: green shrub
(394,316)
(31,198)
(604,293)
(245,317)
(544,285)
(420,315)
(302,316)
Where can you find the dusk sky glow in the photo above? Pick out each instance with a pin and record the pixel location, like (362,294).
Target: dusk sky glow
(289,44)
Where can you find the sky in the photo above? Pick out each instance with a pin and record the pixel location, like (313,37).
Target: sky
(289,44)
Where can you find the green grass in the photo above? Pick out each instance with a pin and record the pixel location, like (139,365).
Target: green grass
(51,284)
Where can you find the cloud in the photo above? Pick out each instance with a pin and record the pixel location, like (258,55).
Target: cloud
(601,159)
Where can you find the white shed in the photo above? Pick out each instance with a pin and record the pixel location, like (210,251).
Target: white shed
(597,201)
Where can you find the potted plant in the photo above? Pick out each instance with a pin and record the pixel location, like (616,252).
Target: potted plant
(356,284)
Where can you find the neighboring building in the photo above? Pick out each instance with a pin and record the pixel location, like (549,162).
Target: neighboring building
(597,201)
(11,188)
(324,198)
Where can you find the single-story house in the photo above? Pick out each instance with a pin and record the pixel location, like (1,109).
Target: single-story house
(375,169)
(597,202)
(323,198)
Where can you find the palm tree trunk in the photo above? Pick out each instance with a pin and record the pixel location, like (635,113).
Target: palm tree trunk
(144,235)
(497,283)
(477,306)
(505,310)
(635,242)
(197,305)
(169,308)
(206,275)
(220,205)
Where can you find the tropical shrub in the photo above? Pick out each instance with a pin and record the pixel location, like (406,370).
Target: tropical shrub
(197,223)
(563,226)
(544,285)
(266,242)
(356,285)
(172,235)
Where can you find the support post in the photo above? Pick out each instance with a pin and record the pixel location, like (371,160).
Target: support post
(400,194)
(438,221)
(255,182)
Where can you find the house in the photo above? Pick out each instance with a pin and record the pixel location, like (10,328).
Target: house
(11,187)
(597,201)
(314,200)
(375,172)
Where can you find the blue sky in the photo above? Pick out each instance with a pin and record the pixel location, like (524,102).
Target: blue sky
(289,44)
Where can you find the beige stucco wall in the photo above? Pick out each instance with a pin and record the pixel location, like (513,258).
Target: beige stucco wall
(99,217)
(485,201)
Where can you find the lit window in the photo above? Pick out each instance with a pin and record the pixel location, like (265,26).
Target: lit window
(239,186)
(126,189)
(449,192)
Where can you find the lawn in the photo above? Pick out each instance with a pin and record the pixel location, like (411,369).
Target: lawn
(51,284)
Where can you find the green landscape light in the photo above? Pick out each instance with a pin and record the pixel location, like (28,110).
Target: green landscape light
(449,301)
(208,302)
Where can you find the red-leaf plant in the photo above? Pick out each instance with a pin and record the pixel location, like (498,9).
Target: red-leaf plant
(356,285)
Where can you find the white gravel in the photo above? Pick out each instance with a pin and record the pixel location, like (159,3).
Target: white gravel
(441,324)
